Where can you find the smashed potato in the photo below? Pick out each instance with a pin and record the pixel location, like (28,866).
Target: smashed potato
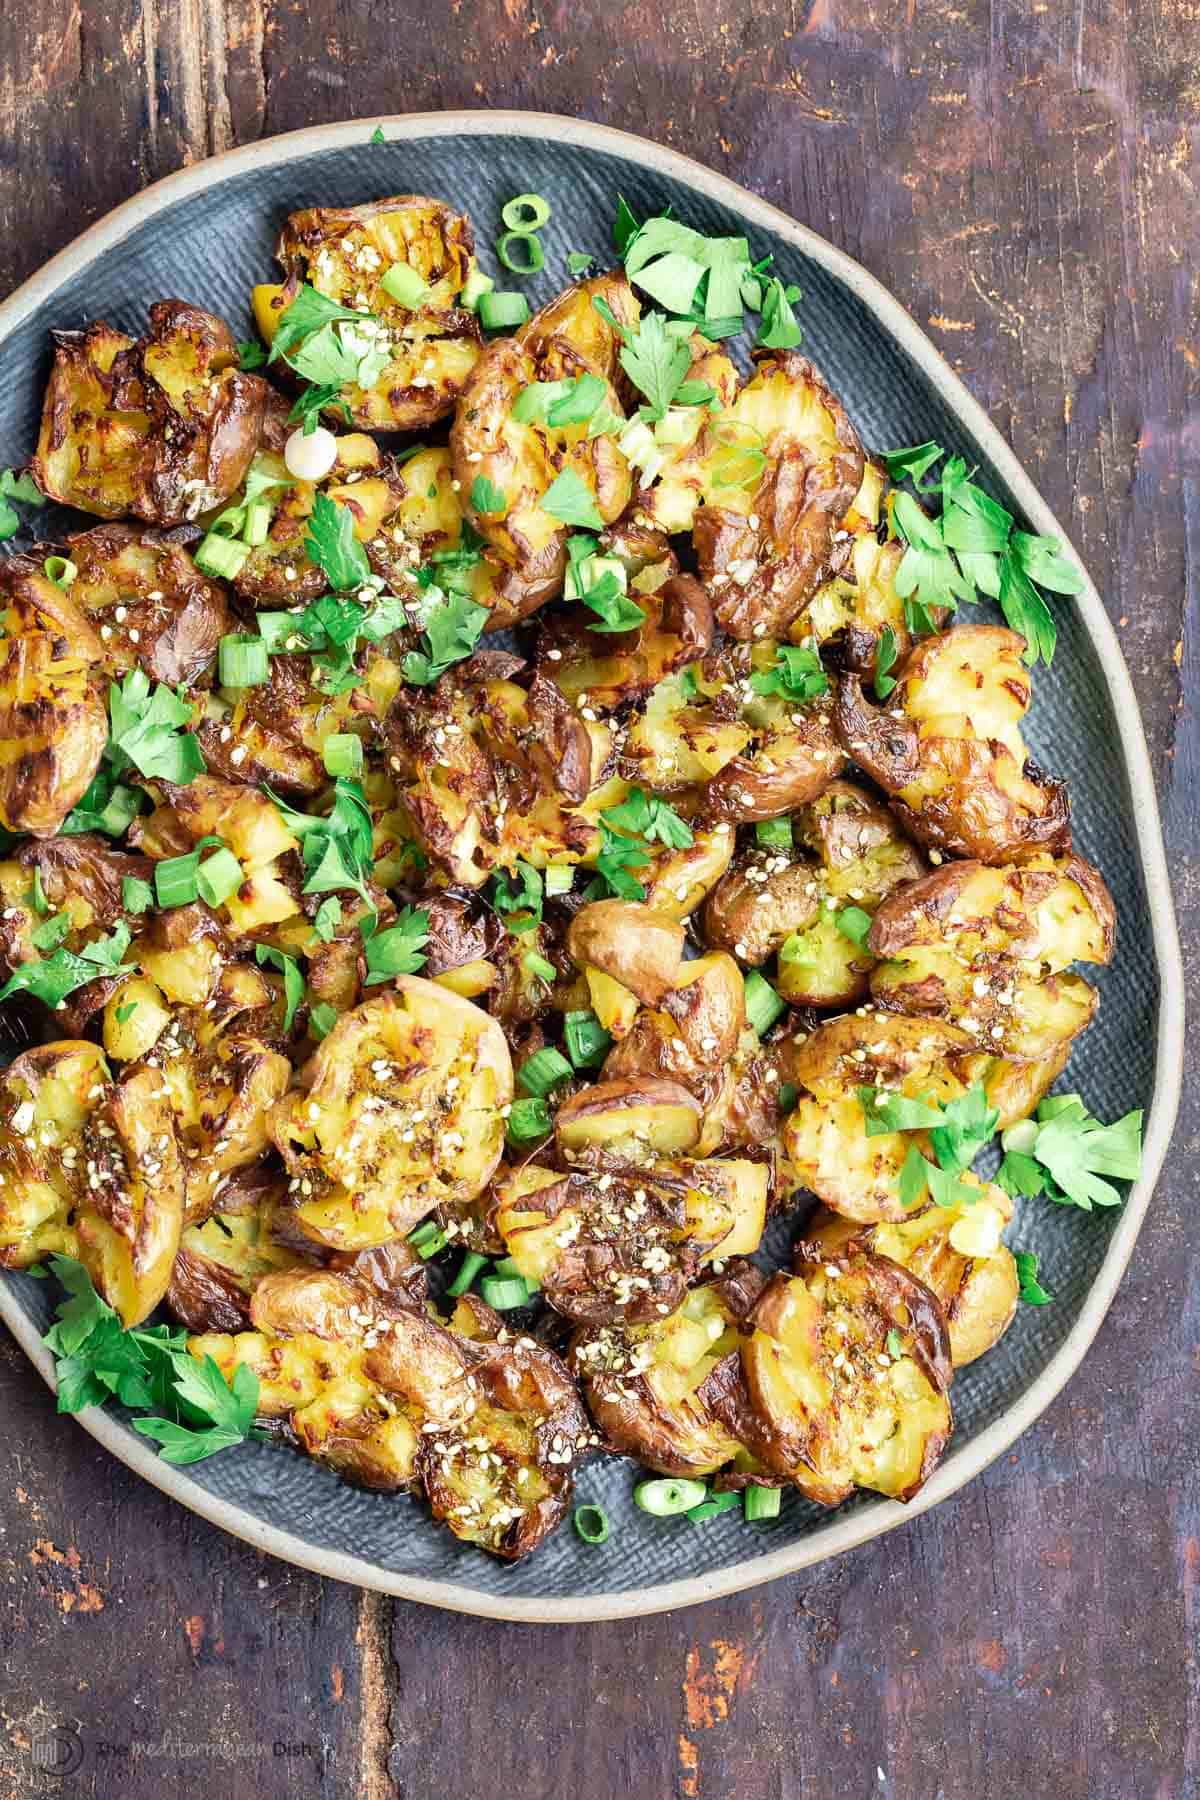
(163,428)
(149,604)
(948,748)
(849,1369)
(647,1385)
(509,464)
(399,1111)
(346,253)
(985,949)
(957,1251)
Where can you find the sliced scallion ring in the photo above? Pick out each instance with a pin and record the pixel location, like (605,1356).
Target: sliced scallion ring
(591,1522)
(668,1497)
(502,311)
(530,249)
(761,1503)
(468,1269)
(527,212)
(60,570)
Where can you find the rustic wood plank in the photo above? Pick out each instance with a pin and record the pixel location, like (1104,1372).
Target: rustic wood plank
(1024,178)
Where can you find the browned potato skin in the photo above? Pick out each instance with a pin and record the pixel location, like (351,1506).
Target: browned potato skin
(797,504)
(590,1280)
(891,1297)
(272,735)
(681,1437)
(767,782)
(637,947)
(409,408)
(86,866)
(978,1295)
(131,1213)
(165,427)
(566,338)
(617,1101)
(920,914)
(173,617)
(974,815)
(612,668)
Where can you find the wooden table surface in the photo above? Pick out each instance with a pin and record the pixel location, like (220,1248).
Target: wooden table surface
(1024,177)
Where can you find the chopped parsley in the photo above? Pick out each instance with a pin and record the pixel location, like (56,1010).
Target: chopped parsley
(1071,1157)
(957,1131)
(885,660)
(973,548)
(332,545)
(797,674)
(646,816)
(338,850)
(519,905)
(191,1410)
(570,499)
(293,979)
(1030,1289)
(487,498)
(53,978)
(400,949)
(146,731)
(22,488)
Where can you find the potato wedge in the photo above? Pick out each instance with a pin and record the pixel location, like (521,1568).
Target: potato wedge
(956,1251)
(398,1112)
(637,947)
(948,749)
(346,253)
(163,428)
(849,1371)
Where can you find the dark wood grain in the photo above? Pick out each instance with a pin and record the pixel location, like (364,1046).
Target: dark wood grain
(1025,178)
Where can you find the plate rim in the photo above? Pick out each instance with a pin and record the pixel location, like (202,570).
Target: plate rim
(962,1466)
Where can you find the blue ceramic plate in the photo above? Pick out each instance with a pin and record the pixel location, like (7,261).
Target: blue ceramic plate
(206,235)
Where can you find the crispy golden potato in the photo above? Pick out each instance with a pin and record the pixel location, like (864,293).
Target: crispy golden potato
(149,603)
(53,720)
(646,1386)
(90,1167)
(163,428)
(427,525)
(392,1399)
(345,253)
(250,824)
(949,751)
(399,1111)
(677,881)
(849,1371)
(602,670)
(679,739)
(851,855)
(985,948)
(621,1241)
(280,572)
(520,460)
(273,733)
(955,1250)
(639,948)
(825,1136)
(761,550)
(488,774)
(635,1119)
(221,1074)
(793,753)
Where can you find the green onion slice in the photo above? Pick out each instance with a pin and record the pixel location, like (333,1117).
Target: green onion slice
(502,311)
(591,1522)
(668,1497)
(762,1503)
(530,250)
(525,213)
(506,1266)
(586,1039)
(538,966)
(321,1019)
(343,754)
(218,556)
(528,1121)
(242,661)
(544,1070)
(427,1239)
(468,1269)
(219,877)
(60,570)
(558,878)
(259,514)
(713,1507)
(774,834)
(403,285)
(502,1293)
(763,1005)
(175,881)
